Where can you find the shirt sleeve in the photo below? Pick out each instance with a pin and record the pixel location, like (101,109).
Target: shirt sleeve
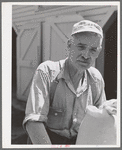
(37,106)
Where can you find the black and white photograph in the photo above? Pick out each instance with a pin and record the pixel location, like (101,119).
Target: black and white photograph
(60,74)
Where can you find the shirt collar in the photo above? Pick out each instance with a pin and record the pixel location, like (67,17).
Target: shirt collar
(64,72)
(82,86)
(65,75)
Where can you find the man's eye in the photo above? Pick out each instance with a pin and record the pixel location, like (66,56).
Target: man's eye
(93,50)
(81,47)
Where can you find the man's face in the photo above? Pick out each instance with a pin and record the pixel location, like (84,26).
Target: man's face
(84,49)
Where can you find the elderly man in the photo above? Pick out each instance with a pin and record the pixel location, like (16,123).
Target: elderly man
(62,91)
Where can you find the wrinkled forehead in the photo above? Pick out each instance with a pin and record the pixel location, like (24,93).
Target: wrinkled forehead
(88,38)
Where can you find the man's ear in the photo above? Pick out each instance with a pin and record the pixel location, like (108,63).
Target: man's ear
(68,43)
(100,48)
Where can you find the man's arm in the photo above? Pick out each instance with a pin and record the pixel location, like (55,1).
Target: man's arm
(37,133)
(37,109)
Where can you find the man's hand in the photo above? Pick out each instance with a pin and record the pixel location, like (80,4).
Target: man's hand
(110,106)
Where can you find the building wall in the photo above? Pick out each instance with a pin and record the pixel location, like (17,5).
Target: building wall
(42,33)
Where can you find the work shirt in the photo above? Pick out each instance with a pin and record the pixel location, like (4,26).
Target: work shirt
(65,114)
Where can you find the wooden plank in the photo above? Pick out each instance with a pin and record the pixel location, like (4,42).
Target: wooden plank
(26,88)
(46,39)
(53,13)
(38,16)
(39,45)
(62,36)
(25,18)
(25,24)
(29,44)
(18,62)
(96,17)
(23,14)
(15,7)
(26,63)
(20,24)
(48,8)
(26,77)
(108,15)
(29,25)
(70,8)
(26,9)
(96,11)
(66,18)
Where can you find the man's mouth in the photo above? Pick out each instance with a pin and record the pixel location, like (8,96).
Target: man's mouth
(83,61)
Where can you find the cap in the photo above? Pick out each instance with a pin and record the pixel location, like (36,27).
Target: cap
(87,26)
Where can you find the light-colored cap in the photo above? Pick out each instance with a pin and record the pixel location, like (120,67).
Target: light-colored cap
(87,26)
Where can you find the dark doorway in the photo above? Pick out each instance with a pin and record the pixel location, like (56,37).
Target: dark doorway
(110,66)
(13,62)
(18,135)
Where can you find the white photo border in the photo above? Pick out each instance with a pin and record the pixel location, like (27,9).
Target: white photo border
(7,69)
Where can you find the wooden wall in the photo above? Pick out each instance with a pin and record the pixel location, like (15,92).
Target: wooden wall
(42,33)
(24,14)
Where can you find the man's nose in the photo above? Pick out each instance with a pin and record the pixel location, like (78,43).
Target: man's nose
(86,53)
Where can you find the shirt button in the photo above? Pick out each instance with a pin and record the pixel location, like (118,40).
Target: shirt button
(75,120)
(56,114)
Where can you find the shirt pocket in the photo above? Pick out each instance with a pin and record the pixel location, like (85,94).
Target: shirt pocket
(55,118)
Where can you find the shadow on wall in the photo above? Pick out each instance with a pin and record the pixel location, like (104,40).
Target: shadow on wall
(110,68)
(18,135)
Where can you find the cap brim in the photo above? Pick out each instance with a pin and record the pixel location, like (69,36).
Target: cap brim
(87,30)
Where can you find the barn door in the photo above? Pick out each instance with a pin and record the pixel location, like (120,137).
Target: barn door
(28,58)
(57,31)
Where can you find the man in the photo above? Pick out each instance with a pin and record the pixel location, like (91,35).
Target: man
(62,91)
